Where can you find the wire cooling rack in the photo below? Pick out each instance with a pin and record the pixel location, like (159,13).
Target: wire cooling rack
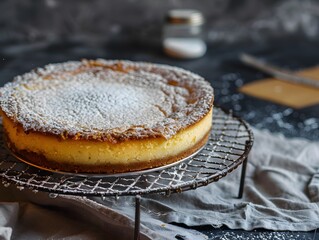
(228,146)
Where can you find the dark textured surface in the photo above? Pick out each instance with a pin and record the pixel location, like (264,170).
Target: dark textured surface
(260,234)
(227,20)
(220,66)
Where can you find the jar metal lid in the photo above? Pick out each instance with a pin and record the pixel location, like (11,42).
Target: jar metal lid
(185,16)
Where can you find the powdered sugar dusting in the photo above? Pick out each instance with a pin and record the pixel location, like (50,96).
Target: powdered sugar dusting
(106,100)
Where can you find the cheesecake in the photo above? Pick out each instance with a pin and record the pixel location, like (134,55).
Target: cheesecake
(100,116)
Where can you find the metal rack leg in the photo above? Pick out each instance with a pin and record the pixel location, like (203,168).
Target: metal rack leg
(137,217)
(242,178)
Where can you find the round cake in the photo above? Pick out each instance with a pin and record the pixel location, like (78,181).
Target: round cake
(98,116)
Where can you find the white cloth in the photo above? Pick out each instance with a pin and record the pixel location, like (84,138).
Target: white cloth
(281,193)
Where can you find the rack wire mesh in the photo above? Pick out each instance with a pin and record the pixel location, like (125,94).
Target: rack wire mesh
(228,146)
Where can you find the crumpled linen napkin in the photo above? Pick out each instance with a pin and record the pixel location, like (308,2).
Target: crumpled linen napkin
(281,193)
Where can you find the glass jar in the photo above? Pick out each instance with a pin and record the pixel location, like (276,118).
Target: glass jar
(182,34)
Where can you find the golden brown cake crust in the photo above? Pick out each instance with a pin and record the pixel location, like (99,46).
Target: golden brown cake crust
(160,100)
(40,161)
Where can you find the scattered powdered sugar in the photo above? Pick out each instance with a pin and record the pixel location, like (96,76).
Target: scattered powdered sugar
(106,100)
(260,235)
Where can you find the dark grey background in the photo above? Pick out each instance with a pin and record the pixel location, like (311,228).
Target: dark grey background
(96,20)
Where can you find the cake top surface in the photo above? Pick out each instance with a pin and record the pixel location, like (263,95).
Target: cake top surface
(106,100)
